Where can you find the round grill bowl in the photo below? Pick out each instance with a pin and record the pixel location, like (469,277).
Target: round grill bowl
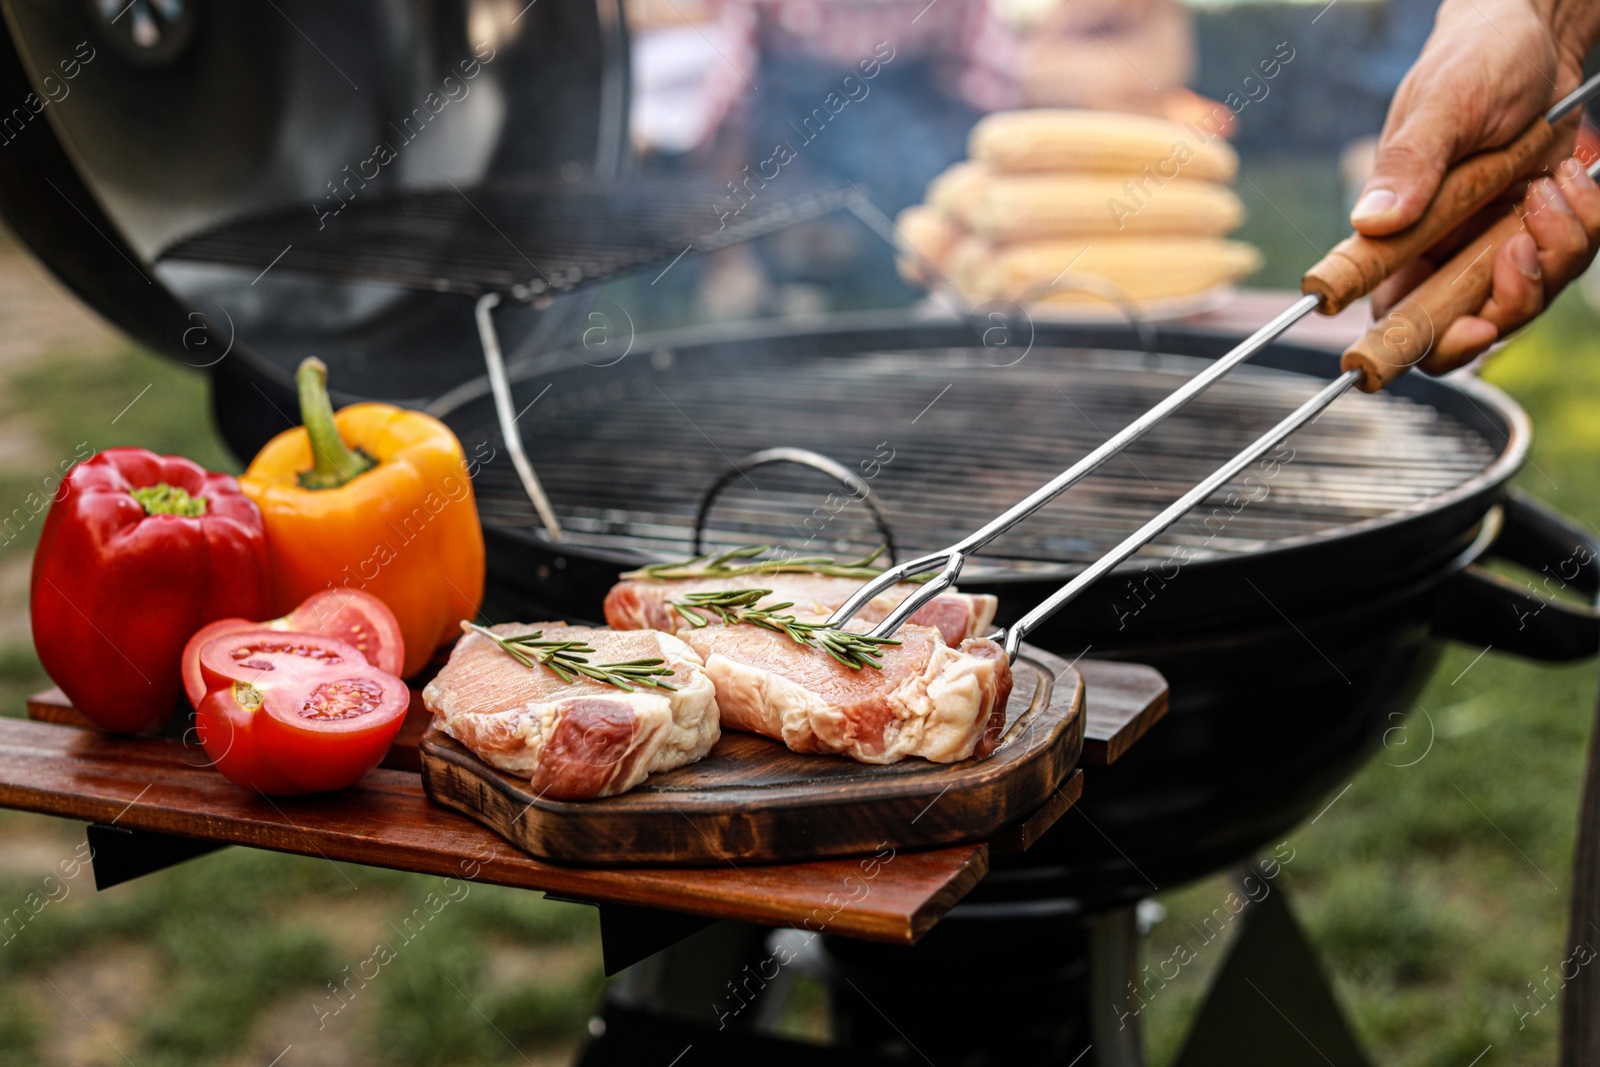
(948,432)
(1293,614)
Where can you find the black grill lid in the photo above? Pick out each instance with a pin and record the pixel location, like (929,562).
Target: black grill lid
(522,239)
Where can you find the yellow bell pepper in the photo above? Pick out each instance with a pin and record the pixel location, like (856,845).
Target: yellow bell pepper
(375,498)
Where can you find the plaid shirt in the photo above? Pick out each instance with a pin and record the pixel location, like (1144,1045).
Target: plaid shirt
(963,39)
(970,50)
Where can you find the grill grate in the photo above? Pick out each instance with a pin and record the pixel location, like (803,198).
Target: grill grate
(626,455)
(521,239)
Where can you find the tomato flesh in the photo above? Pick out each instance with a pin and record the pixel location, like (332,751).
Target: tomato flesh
(358,619)
(345,699)
(289,713)
(259,655)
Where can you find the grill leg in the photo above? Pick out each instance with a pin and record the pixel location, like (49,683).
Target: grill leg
(1580,1006)
(1271,1003)
(1114,941)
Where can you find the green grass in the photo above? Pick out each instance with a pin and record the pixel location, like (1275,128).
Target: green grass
(20,676)
(135,398)
(1431,915)
(234,935)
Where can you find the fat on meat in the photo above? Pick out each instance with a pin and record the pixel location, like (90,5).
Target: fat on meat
(930,700)
(580,739)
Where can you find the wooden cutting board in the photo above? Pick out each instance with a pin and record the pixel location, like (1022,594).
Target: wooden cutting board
(752,800)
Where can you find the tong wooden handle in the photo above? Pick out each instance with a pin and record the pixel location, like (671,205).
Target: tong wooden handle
(1405,337)
(1357,264)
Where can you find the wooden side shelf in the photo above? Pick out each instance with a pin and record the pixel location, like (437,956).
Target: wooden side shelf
(1121,702)
(386,821)
(55,765)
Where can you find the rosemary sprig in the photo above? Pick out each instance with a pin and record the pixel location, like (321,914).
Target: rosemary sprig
(570,658)
(734,606)
(723,565)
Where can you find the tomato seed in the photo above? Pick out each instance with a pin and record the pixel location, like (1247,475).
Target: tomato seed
(347,699)
(282,648)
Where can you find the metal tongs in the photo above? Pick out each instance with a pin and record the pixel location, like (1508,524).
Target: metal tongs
(1350,271)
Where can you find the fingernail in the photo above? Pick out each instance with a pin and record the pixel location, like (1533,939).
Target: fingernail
(1550,193)
(1526,257)
(1374,204)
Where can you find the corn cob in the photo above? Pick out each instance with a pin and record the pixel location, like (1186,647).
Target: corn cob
(1025,207)
(956,188)
(1141,268)
(925,230)
(1048,139)
(966,265)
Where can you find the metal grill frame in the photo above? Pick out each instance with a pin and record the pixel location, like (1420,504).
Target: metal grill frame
(1483,409)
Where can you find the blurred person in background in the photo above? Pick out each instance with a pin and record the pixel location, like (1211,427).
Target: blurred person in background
(688,59)
(880,94)
(1108,55)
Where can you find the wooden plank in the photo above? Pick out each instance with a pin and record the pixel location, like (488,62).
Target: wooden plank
(386,821)
(1019,837)
(752,800)
(90,776)
(1121,702)
(52,705)
(405,754)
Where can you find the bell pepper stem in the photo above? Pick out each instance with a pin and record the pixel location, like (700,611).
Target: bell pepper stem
(164,499)
(333,463)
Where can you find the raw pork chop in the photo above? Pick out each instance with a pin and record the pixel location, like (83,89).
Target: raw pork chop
(930,700)
(645,603)
(577,739)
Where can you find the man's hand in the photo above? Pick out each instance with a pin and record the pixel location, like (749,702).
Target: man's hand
(1488,70)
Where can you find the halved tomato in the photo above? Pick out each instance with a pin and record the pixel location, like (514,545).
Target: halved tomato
(356,618)
(260,655)
(349,615)
(288,713)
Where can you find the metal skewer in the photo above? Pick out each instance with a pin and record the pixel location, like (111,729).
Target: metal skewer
(500,388)
(951,560)
(1176,510)
(1573,100)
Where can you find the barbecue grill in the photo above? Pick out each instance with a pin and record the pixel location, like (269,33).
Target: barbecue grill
(1365,526)
(196,189)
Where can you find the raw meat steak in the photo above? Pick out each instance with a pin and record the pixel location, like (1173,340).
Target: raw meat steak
(577,739)
(645,603)
(930,700)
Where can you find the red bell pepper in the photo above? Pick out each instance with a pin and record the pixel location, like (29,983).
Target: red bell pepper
(137,553)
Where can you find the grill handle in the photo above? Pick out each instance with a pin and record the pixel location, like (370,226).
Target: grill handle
(1460,286)
(1406,336)
(1358,264)
(1480,607)
(804,457)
